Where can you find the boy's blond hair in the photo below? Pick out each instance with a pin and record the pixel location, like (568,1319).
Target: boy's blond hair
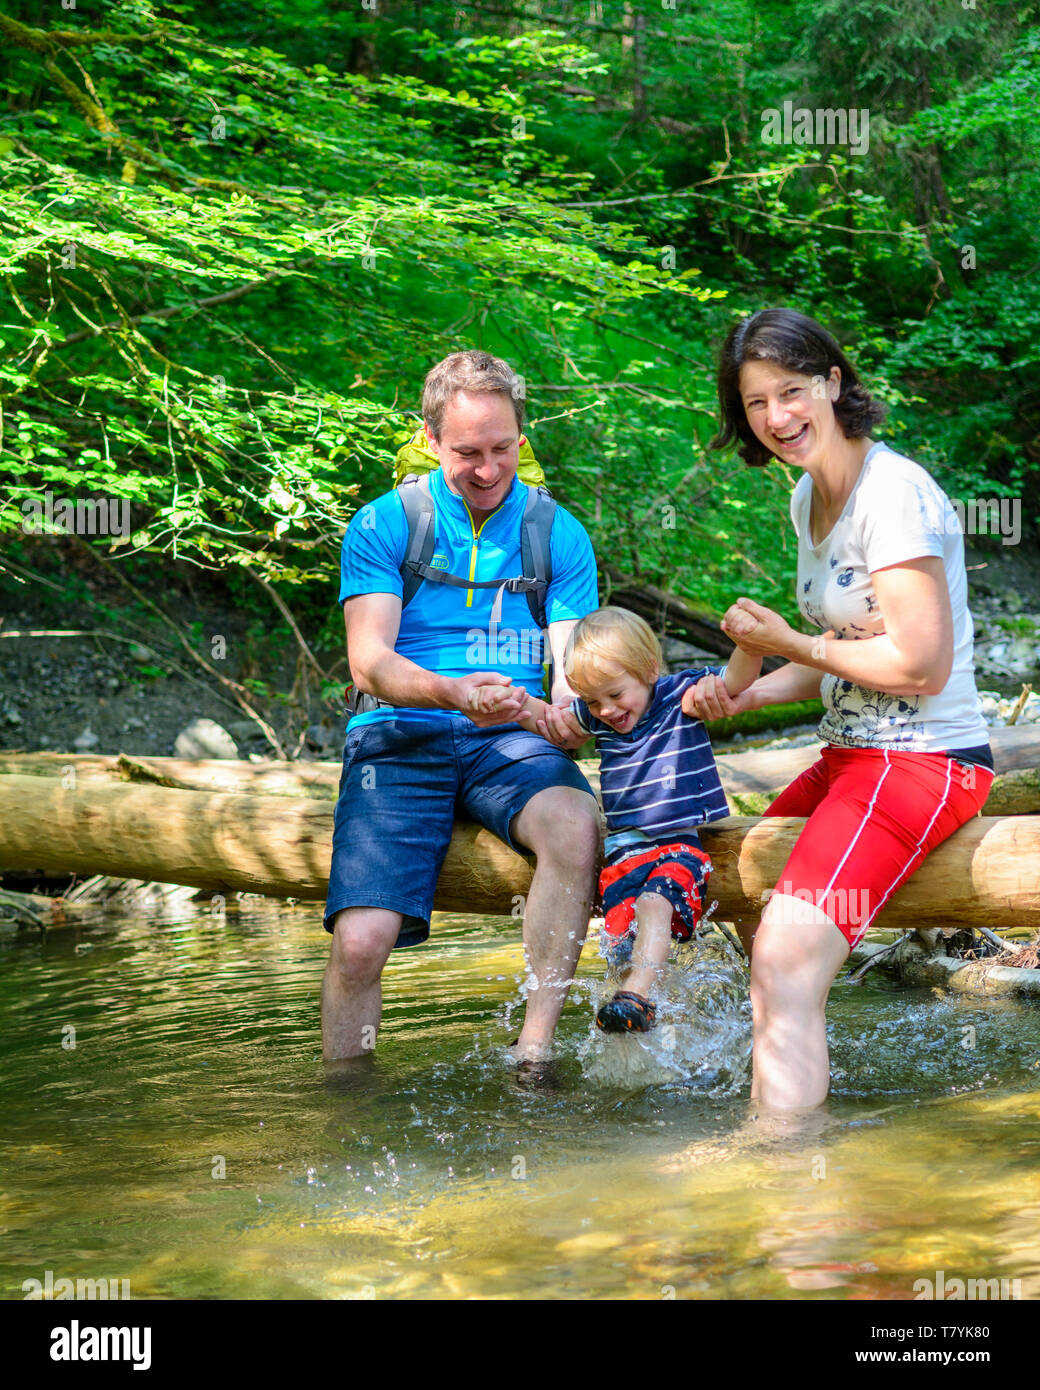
(611,636)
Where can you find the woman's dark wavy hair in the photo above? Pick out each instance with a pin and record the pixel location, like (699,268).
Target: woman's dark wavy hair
(800,344)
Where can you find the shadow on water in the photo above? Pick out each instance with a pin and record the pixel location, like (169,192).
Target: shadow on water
(187,1136)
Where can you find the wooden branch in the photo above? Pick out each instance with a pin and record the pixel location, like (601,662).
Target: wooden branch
(89,109)
(918,968)
(99,120)
(54,40)
(137,770)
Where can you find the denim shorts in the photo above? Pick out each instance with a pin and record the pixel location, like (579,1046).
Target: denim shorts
(405,780)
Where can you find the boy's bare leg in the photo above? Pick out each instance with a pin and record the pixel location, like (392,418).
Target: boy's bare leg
(652,944)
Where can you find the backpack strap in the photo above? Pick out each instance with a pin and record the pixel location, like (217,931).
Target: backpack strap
(417,500)
(535,550)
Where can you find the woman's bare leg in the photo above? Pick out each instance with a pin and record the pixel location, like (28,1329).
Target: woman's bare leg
(798,952)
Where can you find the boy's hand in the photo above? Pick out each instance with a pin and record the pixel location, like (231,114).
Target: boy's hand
(738,622)
(560,727)
(488,698)
(709,699)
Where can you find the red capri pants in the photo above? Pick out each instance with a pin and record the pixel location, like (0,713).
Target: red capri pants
(874,815)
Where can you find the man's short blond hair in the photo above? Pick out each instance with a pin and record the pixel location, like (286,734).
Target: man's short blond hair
(476,372)
(611,636)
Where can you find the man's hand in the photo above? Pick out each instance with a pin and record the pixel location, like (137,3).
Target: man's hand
(757,630)
(709,699)
(559,726)
(488,698)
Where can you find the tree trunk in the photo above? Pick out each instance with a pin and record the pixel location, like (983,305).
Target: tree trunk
(750,780)
(280,847)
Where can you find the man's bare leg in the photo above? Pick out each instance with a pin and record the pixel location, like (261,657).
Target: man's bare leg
(351,995)
(561,826)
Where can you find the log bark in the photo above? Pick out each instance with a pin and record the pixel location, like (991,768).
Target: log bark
(919,969)
(281,847)
(751,780)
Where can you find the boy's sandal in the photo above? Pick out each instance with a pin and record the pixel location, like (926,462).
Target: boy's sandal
(627,1013)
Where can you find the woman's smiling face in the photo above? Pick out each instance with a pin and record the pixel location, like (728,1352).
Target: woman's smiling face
(790,414)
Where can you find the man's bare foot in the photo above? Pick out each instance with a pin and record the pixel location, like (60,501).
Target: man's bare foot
(536,1067)
(529,1052)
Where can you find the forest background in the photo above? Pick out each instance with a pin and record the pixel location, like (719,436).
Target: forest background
(235,237)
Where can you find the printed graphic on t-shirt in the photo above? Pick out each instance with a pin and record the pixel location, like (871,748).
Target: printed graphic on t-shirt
(856,715)
(895,515)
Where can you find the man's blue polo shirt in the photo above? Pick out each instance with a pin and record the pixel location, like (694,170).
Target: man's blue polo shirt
(448,629)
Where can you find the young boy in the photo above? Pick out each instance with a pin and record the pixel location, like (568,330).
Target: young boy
(658,781)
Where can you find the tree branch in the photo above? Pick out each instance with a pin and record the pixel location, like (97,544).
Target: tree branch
(225,297)
(54,40)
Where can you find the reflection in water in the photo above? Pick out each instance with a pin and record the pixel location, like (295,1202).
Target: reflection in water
(193,1142)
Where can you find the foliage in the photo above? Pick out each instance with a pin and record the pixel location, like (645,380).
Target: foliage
(235,238)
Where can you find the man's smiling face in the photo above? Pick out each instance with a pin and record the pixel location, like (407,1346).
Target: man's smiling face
(478,448)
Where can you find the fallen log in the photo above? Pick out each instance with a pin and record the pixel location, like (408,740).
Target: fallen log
(280,847)
(267,777)
(671,615)
(751,780)
(1014,793)
(917,968)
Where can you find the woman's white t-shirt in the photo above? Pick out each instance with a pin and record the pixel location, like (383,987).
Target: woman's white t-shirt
(896,512)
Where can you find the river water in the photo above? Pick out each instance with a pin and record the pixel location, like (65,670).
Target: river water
(192,1143)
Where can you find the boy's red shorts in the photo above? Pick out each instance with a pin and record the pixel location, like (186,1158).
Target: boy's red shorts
(874,815)
(676,870)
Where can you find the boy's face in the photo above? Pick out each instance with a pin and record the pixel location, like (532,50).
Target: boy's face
(617,698)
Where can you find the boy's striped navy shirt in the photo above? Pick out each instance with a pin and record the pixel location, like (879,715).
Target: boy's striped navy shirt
(661,777)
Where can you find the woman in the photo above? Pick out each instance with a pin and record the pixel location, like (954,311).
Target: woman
(906,758)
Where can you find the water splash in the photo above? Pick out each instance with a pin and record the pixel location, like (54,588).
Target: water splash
(703,1033)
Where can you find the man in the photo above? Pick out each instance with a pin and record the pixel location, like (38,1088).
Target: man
(445,741)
